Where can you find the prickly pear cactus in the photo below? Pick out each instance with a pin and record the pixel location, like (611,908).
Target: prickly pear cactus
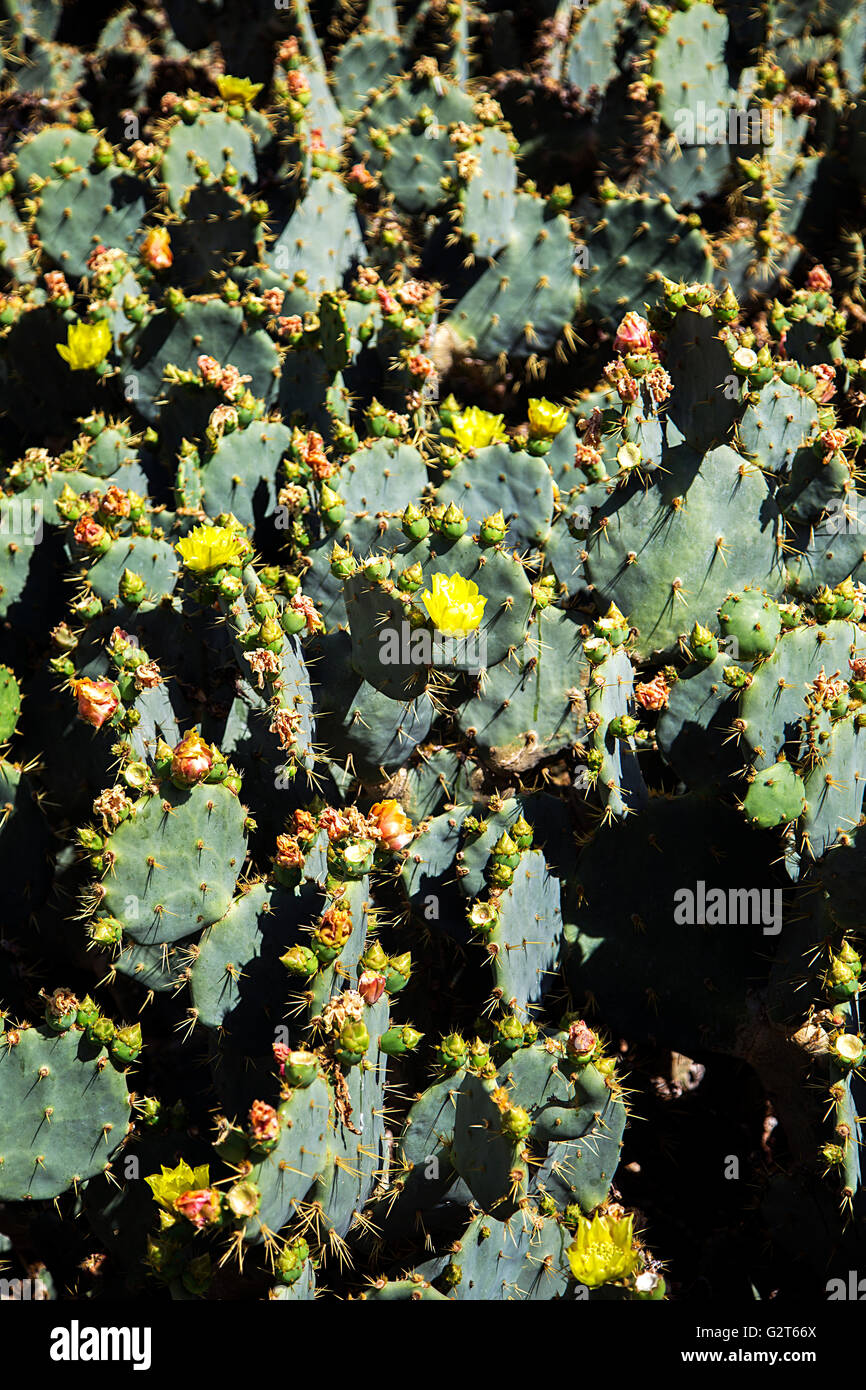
(433,649)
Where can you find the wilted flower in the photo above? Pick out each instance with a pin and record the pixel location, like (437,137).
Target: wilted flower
(209,370)
(581,1039)
(290,325)
(299,603)
(421,366)
(394,826)
(88,532)
(289,854)
(818,279)
(360,175)
(264,1122)
(653,694)
(56,285)
(156,250)
(633,335)
(191,760)
(273,299)
(115,502)
(147,675)
(412,293)
(387,303)
(298,85)
(200,1206)
(826,374)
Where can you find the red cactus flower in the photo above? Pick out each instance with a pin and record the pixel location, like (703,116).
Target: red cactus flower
(371,987)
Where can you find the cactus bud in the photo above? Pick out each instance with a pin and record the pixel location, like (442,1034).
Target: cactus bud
(398,1041)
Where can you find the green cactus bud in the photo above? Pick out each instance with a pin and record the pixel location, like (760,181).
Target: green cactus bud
(332,506)
(506,851)
(499,875)
(850,957)
(343,562)
(411,579)
(473,827)
(509,1033)
(127,1043)
(493,529)
(521,833)
(596,650)
(451,1053)
(478,1057)
(726,308)
(106,931)
(399,1040)
(702,644)
(101,1032)
(291,1261)
(613,627)
(544,592)
(623,727)
(300,961)
(88,1012)
(736,677)
(377,568)
(352,1043)
(516,1123)
(374,958)
(560,197)
(840,982)
(132,588)
(300,1069)
(447,410)
(453,524)
(398,972)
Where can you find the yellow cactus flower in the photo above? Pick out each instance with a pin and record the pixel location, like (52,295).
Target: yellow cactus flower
(87,344)
(238,89)
(546,419)
(455,605)
(208,548)
(475,429)
(602,1249)
(171,1183)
